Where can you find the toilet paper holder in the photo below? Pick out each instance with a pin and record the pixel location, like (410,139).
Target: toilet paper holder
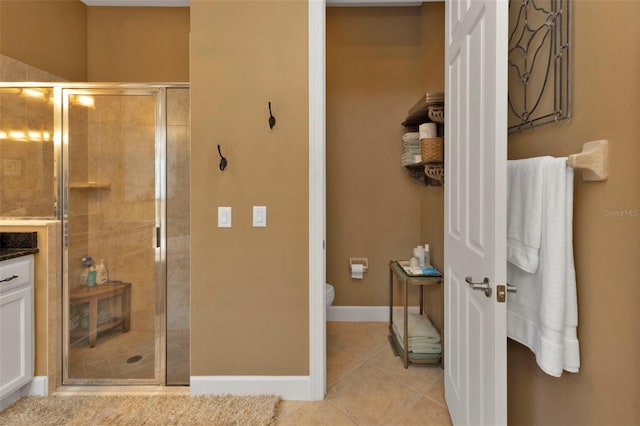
(359,261)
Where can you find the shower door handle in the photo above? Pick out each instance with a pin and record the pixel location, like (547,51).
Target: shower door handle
(157,236)
(65,228)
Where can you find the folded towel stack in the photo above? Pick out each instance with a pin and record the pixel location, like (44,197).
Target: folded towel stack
(411,148)
(423,336)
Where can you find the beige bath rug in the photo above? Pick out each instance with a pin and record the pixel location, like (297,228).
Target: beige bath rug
(142,410)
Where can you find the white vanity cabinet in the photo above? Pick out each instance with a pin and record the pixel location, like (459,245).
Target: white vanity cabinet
(16,324)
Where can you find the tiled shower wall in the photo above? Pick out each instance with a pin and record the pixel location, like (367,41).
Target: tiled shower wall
(26,166)
(178,154)
(178,208)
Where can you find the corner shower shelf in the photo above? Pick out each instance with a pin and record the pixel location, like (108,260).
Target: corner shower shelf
(89,185)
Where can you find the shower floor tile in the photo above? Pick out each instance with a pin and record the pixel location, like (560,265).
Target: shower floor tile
(108,358)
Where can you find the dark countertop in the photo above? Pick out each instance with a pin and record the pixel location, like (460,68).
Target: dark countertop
(8,253)
(17,244)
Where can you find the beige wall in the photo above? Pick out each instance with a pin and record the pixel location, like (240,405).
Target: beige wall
(373,205)
(47,34)
(605,60)
(80,43)
(249,286)
(138,44)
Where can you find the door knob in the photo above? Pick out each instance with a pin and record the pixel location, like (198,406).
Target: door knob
(484,286)
(511,288)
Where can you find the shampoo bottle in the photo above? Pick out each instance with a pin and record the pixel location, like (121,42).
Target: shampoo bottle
(91,276)
(87,263)
(427,256)
(418,253)
(102,274)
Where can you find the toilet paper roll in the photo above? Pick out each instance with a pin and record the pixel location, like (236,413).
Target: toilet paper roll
(357,271)
(428,130)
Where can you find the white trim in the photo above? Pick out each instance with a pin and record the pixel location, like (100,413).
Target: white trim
(317,203)
(362,313)
(39,386)
(8,400)
(36,387)
(372,3)
(286,387)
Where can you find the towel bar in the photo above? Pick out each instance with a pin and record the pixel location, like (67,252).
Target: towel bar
(593,160)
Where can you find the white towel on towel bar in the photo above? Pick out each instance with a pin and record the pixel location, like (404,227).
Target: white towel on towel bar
(524,210)
(543,314)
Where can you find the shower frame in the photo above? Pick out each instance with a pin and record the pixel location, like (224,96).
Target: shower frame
(60,210)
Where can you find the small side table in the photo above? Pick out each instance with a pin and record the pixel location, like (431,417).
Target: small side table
(395,270)
(92,295)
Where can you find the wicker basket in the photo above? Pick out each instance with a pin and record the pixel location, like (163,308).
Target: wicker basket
(435,172)
(432,150)
(436,114)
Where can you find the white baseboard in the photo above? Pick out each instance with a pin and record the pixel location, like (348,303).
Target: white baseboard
(361,313)
(36,387)
(39,386)
(286,387)
(10,399)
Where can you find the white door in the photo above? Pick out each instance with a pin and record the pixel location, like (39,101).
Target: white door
(475,210)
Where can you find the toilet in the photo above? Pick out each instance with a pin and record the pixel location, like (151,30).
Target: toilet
(329,293)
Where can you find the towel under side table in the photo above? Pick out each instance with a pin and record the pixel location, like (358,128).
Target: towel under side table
(395,270)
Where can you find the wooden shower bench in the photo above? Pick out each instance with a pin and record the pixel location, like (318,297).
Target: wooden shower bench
(92,295)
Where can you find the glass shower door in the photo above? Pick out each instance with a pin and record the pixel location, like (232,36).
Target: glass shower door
(113,152)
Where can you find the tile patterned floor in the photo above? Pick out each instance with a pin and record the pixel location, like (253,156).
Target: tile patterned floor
(367,385)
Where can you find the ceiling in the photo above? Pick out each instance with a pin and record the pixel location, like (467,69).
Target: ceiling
(185,3)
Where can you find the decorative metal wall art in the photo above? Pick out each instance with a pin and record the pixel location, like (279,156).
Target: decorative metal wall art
(539,71)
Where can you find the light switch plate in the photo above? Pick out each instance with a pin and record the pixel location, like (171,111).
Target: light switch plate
(224,217)
(259,216)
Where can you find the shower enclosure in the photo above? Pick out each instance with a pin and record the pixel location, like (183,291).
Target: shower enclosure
(111,162)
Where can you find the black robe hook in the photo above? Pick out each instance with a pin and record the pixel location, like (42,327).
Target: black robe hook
(223,161)
(272,119)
